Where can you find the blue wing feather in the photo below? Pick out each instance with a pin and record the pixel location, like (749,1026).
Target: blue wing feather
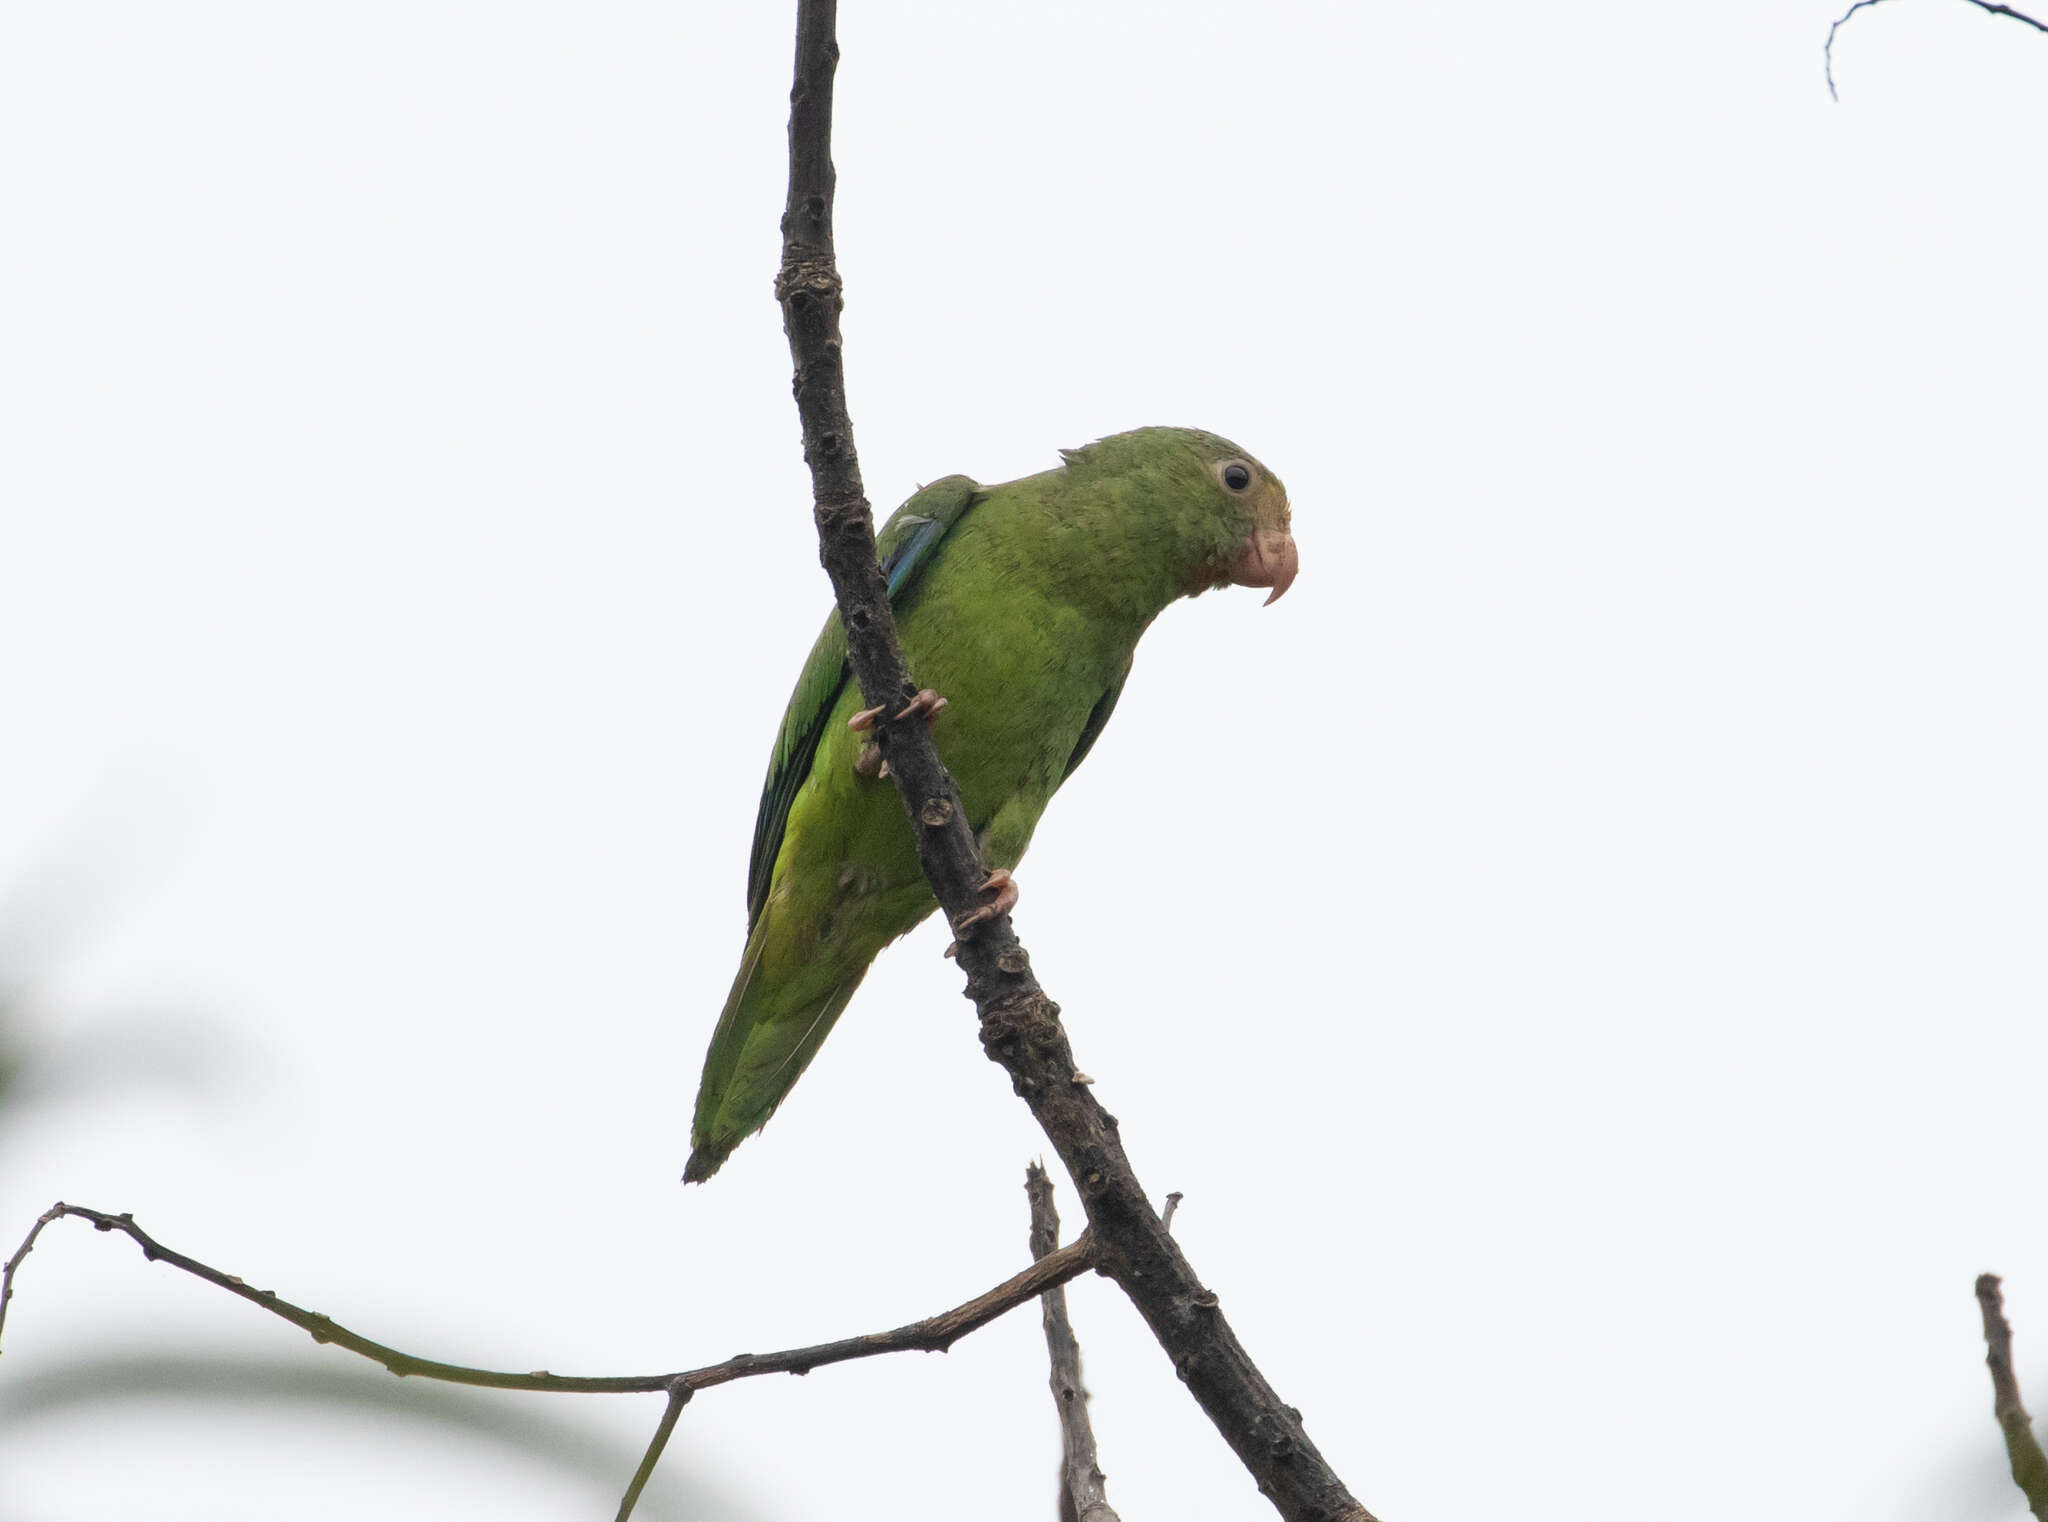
(907,558)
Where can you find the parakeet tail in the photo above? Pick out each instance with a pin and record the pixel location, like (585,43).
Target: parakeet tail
(766,1037)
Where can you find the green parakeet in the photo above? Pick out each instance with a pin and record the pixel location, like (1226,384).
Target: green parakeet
(1019,606)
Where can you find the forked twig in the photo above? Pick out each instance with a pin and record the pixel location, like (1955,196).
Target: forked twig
(934,1334)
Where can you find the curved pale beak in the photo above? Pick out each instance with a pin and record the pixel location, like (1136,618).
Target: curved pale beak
(1266,559)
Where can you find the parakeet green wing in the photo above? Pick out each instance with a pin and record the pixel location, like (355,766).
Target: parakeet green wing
(1098,720)
(907,545)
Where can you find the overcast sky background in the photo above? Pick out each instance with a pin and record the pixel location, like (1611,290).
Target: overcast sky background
(1580,954)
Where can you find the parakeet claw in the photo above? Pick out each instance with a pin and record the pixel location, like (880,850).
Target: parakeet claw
(869,762)
(927,703)
(1005,890)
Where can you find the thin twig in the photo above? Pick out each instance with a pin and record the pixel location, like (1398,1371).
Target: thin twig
(2022,1449)
(1081,1477)
(934,1334)
(1166,1215)
(28,1244)
(1828,53)
(1988,7)
(1020,1027)
(678,1398)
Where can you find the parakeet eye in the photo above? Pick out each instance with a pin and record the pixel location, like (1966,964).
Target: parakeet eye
(1236,474)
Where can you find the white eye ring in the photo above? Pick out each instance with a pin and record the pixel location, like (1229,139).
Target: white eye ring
(1236,475)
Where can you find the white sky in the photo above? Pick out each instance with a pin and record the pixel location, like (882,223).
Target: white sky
(1580,954)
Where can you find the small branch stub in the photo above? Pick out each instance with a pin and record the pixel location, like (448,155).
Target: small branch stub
(1082,1498)
(2022,1448)
(678,1397)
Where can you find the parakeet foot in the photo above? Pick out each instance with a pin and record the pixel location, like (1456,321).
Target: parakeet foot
(927,705)
(1005,890)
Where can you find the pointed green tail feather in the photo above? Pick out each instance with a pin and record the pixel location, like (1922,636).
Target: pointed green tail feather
(764,1041)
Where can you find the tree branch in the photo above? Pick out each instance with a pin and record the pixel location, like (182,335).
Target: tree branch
(1081,1494)
(1020,1026)
(2023,1450)
(934,1334)
(1988,7)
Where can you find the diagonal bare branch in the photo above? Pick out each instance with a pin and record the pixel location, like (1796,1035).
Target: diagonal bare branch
(2022,1448)
(934,1334)
(1020,1026)
(1988,7)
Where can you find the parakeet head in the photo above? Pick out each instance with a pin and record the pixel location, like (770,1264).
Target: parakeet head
(1227,514)
(1265,554)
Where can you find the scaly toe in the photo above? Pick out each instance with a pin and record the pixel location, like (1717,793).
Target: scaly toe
(865,719)
(927,704)
(1005,890)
